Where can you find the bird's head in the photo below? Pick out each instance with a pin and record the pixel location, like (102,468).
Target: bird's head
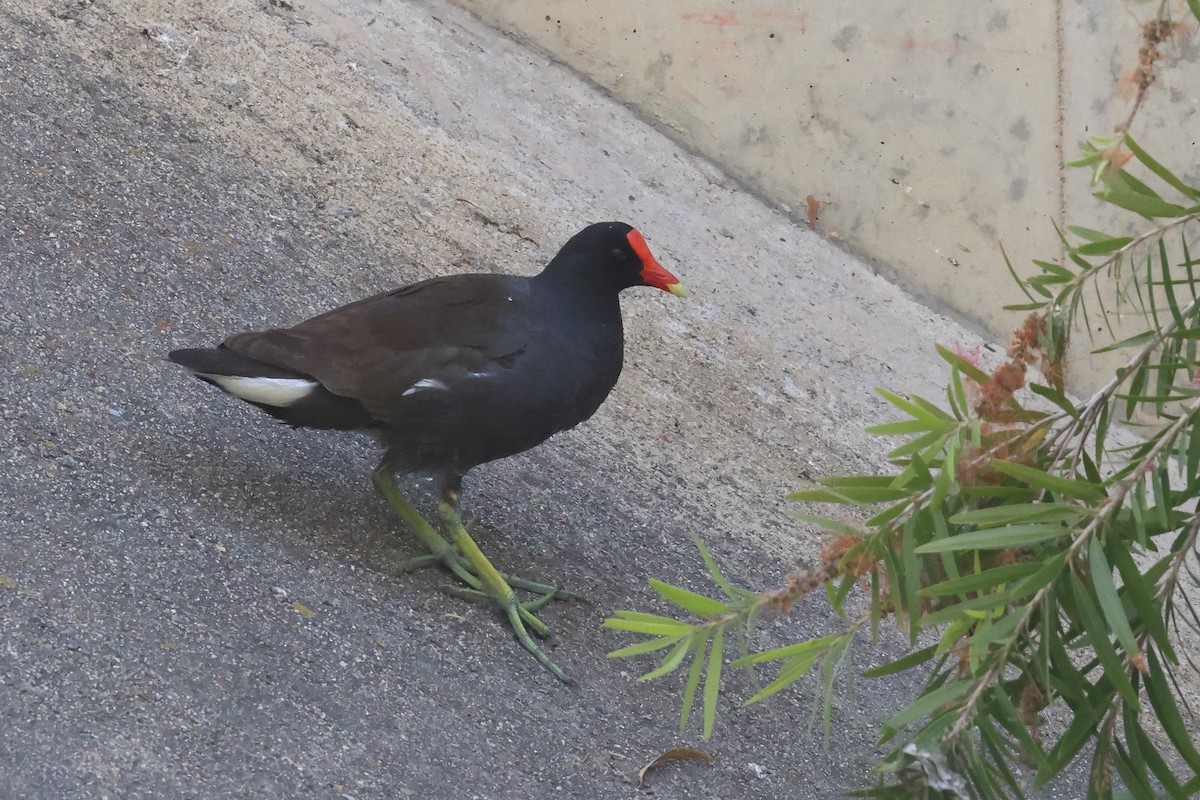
(615,254)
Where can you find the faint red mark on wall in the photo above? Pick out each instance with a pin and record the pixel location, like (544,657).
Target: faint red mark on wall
(721,20)
(717,19)
(949,47)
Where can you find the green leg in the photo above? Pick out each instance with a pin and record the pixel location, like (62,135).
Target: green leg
(471,566)
(439,549)
(497,588)
(443,553)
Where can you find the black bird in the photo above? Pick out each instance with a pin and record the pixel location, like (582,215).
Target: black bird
(450,373)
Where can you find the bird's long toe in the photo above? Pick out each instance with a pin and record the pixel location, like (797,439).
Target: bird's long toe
(525,610)
(457,564)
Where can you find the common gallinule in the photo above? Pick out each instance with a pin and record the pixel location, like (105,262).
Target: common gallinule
(451,373)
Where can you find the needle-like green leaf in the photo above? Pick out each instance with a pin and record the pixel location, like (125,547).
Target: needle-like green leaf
(689,691)
(903,664)
(648,628)
(696,603)
(648,646)
(996,538)
(1153,165)
(712,681)
(1093,623)
(1020,512)
(1080,490)
(1100,575)
(995,578)
(929,702)
(1167,712)
(675,657)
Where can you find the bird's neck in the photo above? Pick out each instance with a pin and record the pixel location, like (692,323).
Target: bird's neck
(576,278)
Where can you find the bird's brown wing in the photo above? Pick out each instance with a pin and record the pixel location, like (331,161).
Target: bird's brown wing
(376,349)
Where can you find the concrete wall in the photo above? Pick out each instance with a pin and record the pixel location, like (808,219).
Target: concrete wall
(928,133)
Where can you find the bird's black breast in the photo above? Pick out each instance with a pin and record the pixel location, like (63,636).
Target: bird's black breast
(567,366)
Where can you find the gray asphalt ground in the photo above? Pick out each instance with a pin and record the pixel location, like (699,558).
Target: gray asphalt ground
(198,602)
(153,553)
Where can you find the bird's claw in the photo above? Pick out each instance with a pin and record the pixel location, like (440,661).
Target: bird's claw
(524,610)
(450,559)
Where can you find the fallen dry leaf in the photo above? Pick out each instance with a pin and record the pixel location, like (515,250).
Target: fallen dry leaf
(303,610)
(677,754)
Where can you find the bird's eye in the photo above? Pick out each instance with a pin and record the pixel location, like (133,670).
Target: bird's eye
(619,253)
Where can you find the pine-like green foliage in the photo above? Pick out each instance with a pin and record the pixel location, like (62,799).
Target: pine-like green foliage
(1041,553)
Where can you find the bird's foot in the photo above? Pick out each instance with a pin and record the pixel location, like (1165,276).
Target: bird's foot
(487,583)
(527,608)
(450,559)
(476,590)
(468,563)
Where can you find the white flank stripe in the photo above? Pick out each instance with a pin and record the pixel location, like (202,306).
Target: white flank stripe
(425,383)
(281,392)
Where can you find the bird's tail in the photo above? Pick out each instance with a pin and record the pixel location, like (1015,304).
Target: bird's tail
(264,385)
(295,398)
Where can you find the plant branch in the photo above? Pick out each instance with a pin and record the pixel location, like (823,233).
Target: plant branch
(1118,256)
(1102,515)
(1092,406)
